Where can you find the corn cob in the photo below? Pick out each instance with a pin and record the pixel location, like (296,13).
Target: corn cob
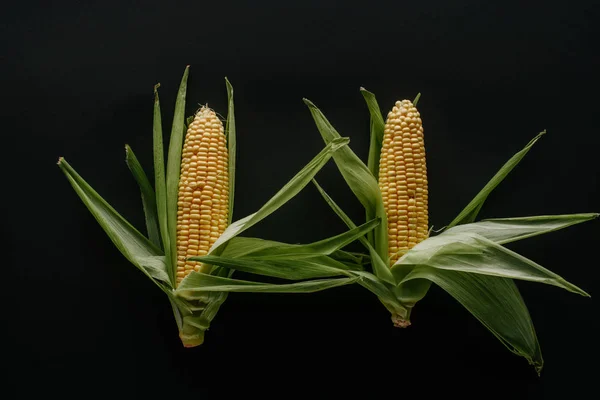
(203,198)
(403,179)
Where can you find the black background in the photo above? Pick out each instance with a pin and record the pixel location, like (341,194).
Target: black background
(76,81)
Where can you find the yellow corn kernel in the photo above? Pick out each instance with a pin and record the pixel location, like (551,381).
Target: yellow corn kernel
(204,167)
(403,179)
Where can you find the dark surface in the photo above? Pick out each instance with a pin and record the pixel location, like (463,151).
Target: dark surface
(77,80)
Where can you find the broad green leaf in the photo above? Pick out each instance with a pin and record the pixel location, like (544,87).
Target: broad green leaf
(244,247)
(231,144)
(156,266)
(377,126)
(197,283)
(286,193)
(130,242)
(159,180)
(506,230)
(322,247)
(358,177)
(475,254)
(409,292)
(469,213)
(174,167)
(148,197)
(292,269)
(380,268)
(496,303)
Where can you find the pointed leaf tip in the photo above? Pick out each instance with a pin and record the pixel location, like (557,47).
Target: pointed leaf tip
(417,98)
(60,160)
(156,87)
(308,102)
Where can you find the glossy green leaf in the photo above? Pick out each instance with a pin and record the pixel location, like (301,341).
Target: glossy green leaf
(197,284)
(322,247)
(293,269)
(159,181)
(496,303)
(506,230)
(155,265)
(286,193)
(148,197)
(380,268)
(174,167)
(377,125)
(469,213)
(244,246)
(358,177)
(130,242)
(231,145)
(254,247)
(473,253)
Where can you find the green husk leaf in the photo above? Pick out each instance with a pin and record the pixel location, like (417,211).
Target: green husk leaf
(245,246)
(358,177)
(156,266)
(377,125)
(292,269)
(409,292)
(351,257)
(130,242)
(506,230)
(496,303)
(252,247)
(473,253)
(148,197)
(322,247)
(174,167)
(231,144)
(196,284)
(380,268)
(287,192)
(382,290)
(197,321)
(159,181)
(469,213)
